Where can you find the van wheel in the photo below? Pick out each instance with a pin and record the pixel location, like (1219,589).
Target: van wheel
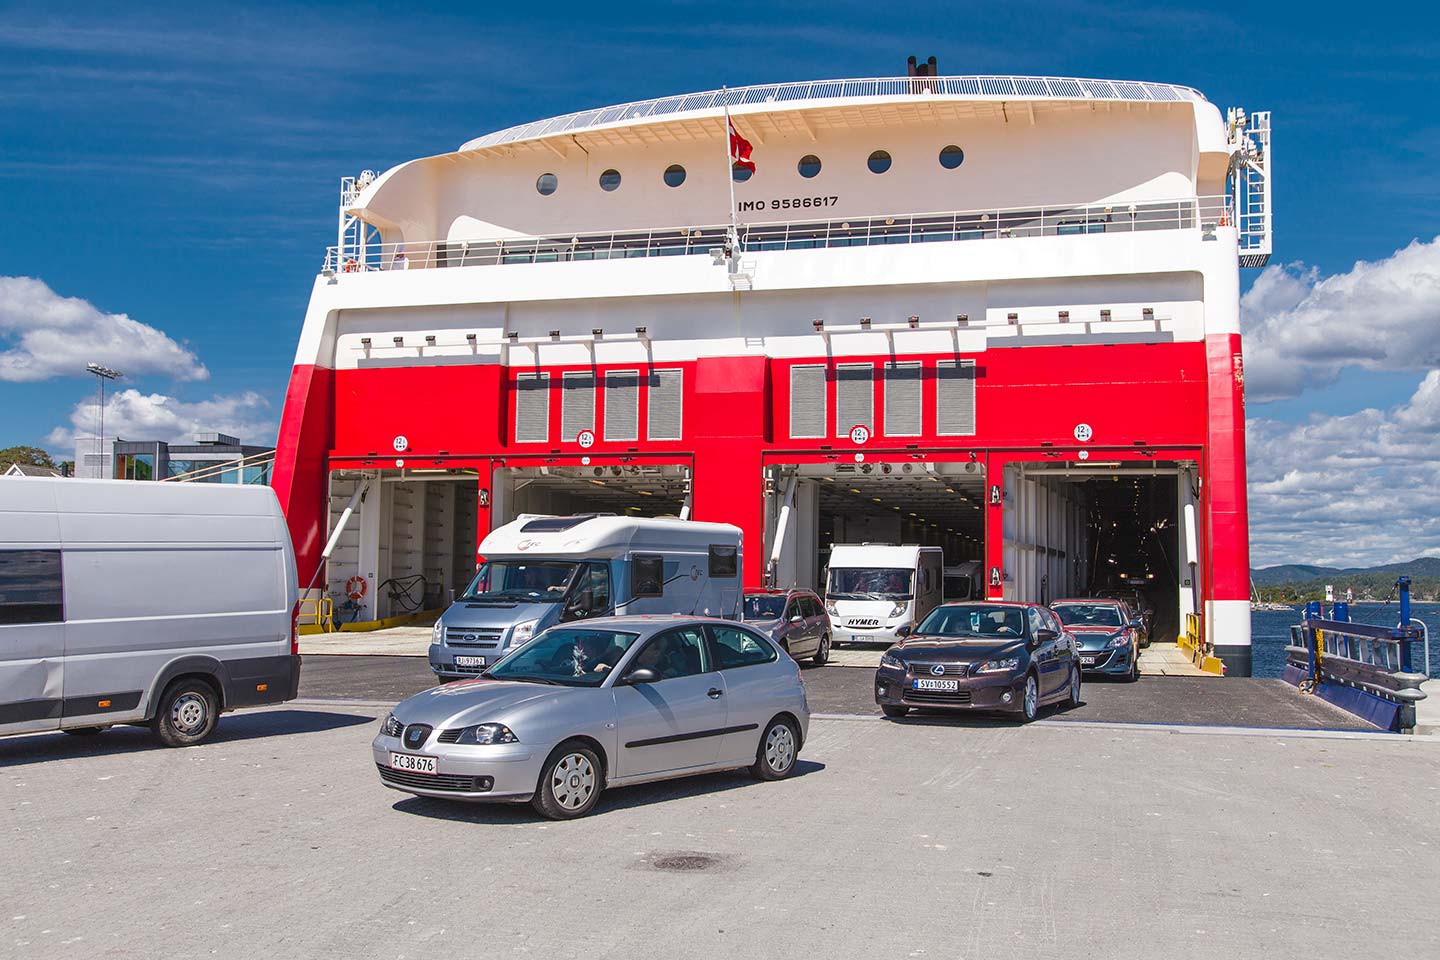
(186,714)
(570,784)
(83,731)
(822,654)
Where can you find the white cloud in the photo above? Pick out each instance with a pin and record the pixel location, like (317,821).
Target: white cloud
(1350,490)
(140,416)
(55,336)
(1302,329)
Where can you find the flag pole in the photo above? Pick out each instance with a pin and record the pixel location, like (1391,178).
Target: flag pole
(734,238)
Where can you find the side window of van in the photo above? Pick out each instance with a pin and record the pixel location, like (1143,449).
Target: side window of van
(647,576)
(723,561)
(30,587)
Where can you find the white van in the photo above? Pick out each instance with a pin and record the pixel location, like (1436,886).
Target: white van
(963,582)
(878,593)
(542,570)
(139,602)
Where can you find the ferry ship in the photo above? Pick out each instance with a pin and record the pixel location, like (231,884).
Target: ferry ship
(996,314)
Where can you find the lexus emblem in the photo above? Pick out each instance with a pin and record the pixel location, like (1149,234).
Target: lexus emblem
(937,670)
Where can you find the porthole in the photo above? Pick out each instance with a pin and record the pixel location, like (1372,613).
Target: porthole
(808,166)
(740,174)
(546,183)
(951,157)
(674,175)
(609,180)
(879,162)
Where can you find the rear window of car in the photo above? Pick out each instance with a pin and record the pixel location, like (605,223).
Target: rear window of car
(735,647)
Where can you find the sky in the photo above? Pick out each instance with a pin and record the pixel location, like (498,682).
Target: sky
(169,180)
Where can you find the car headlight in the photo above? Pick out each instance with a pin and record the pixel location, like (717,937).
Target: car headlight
(830,607)
(1120,640)
(523,632)
(487,733)
(894,663)
(1003,665)
(391,726)
(900,607)
(437,632)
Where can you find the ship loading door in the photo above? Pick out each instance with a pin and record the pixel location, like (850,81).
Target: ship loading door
(1102,530)
(623,489)
(811,507)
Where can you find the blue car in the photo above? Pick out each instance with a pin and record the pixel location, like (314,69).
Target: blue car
(1109,640)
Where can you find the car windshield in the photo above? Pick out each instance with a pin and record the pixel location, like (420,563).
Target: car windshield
(764,606)
(1088,614)
(957,586)
(870,583)
(530,581)
(568,656)
(975,619)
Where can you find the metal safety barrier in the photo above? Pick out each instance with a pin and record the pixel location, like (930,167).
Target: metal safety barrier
(1367,670)
(317,613)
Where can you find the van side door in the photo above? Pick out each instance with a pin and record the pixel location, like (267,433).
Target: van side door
(32,639)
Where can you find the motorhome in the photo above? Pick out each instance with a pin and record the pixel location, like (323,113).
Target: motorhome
(127,602)
(964,581)
(542,570)
(879,593)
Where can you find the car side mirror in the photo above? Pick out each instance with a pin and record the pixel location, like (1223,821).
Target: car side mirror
(1044,635)
(797,619)
(642,675)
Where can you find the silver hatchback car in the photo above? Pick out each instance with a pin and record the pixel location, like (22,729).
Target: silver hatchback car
(610,702)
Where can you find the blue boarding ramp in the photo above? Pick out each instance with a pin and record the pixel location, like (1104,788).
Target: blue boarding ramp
(1367,670)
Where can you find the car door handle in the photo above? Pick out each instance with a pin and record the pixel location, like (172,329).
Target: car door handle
(714,693)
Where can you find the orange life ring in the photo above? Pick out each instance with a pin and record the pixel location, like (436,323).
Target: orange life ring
(355,587)
(351,266)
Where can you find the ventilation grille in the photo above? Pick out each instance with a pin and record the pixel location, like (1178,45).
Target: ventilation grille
(902,399)
(955,398)
(577,404)
(622,405)
(854,397)
(807,401)
(666,388)
(532,408)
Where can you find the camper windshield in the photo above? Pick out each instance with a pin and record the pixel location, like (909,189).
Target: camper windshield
(870,583)
(530,581)
(957,586)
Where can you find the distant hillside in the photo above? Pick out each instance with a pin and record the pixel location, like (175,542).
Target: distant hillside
(1297,581)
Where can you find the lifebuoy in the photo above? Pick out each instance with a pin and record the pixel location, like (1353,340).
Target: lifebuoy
(355,587)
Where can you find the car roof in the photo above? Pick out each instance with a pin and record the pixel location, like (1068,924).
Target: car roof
(1089,600)
(990,603)
(642,622)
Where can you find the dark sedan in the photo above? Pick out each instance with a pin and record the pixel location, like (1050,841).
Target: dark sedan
(1011,657)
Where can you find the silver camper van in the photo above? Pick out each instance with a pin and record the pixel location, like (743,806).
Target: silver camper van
(540,571)
(132,602)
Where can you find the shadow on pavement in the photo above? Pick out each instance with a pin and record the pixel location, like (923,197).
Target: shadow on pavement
(618,798)
(233,727)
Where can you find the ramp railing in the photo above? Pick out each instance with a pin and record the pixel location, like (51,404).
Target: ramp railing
(1367,670)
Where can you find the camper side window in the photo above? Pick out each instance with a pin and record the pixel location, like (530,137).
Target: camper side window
(647,576)
(30,587)
(722,561)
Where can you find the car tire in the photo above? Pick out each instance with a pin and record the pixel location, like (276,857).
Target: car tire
(778,750)
(186,713)
(571,782)
(894,711)
(1029,700)
(84,731)
(1134,675)
(1072,699)
(822,654)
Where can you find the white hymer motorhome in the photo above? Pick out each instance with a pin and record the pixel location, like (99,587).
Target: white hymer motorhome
(134,602)
(878,593)
(541,570)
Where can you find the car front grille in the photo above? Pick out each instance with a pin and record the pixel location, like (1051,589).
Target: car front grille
(434,781)
(1102,657)
(450,736)
(926,669)
(469,637)
(937,696)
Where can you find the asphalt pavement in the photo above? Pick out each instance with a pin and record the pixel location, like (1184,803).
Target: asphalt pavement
(1052,840)
(1243,702)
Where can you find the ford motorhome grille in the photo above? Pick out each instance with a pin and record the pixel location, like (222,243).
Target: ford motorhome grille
(462,637)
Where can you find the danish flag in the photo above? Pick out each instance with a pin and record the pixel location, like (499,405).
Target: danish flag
(739,149)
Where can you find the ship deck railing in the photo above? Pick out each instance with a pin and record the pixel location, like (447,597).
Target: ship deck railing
(992,224)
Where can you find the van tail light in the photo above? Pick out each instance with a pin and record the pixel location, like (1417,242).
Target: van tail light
(295,629)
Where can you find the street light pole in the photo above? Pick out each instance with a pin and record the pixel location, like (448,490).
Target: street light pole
(102,373)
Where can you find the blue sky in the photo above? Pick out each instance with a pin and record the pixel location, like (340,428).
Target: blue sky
(180,164)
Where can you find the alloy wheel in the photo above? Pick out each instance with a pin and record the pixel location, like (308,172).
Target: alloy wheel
(1032,698)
